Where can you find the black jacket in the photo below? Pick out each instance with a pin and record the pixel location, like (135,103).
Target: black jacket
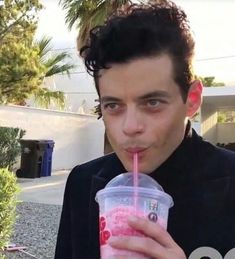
(199,176)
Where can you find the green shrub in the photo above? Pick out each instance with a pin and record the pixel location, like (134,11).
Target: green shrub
(8,202)
(9,146)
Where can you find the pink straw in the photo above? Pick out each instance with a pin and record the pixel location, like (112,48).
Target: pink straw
(135,178)
(135,169)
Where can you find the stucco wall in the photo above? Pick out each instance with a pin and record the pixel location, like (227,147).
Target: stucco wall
(226,133)
(78,138)
(208,123)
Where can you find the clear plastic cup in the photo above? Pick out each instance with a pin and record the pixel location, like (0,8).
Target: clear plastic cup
(117,201)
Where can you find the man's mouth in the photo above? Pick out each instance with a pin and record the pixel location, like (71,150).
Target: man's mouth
(133,150)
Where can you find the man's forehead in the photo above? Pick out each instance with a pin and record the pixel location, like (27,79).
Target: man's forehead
(163,59)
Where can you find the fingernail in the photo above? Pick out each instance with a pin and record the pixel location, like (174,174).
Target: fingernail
(133,219)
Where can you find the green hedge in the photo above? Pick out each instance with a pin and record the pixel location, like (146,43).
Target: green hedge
(9,146)
(8,202)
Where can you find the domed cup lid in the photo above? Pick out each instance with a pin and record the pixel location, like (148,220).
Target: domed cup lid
(127,179)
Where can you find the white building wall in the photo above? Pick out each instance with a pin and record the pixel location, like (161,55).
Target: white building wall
(78,138)
(208,123)
(226,133)
(79,90)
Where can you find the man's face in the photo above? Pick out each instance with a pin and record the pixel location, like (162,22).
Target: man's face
(143,111)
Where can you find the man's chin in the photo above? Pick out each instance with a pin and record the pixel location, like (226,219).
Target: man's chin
(141,168)
(144,165)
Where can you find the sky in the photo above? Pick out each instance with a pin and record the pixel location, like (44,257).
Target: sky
(212,23)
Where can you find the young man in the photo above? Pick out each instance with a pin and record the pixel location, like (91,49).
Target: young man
(141,63)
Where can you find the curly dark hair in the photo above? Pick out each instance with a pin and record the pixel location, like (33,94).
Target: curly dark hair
(143,30)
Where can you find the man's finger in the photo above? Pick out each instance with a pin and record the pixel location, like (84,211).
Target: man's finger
(143,245)
(153,230)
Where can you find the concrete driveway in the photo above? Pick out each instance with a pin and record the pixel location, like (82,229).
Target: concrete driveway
(47,190)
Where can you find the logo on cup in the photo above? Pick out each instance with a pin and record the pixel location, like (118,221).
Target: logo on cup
(104,234)
(152,205)
(153,216)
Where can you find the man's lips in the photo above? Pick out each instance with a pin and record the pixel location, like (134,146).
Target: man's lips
(133,150)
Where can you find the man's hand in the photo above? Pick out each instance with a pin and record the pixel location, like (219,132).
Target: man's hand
(157,244)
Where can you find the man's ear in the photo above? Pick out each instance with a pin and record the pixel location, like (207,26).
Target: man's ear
(194,99)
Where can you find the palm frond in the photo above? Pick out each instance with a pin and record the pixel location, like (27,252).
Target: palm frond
(96,17)
(76,9)
(53,63)
(56,58)
(44,46)
(44,98)
(59,69)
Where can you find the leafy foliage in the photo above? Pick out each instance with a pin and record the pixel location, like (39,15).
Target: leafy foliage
(18,18)
(20,69)
(8,202)
(9,146)
(209,81)
(44,97)
(85,15)
(53,64)
(226,116)
(23,63)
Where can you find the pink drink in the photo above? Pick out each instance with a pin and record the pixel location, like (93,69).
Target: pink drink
(114,223)
(118,200)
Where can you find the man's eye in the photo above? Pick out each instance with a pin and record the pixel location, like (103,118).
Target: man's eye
(153,103)
(111,106)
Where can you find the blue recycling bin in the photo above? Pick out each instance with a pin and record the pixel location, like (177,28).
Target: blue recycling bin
(48,146)
(36,158)
(32,153)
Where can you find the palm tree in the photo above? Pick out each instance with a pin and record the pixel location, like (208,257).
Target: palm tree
(54,64)
(86,14)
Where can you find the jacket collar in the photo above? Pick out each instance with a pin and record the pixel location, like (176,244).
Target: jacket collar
(182,166)
(111,168)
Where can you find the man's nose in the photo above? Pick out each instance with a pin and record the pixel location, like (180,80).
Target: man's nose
(133,122)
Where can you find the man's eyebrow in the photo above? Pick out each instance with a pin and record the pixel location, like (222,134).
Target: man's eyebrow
(154,94)
(109,99)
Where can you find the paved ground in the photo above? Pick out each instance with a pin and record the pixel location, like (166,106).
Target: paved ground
(47,190)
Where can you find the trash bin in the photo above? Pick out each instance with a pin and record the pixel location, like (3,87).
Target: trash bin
(48,146)
(36,158)
(31,159)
